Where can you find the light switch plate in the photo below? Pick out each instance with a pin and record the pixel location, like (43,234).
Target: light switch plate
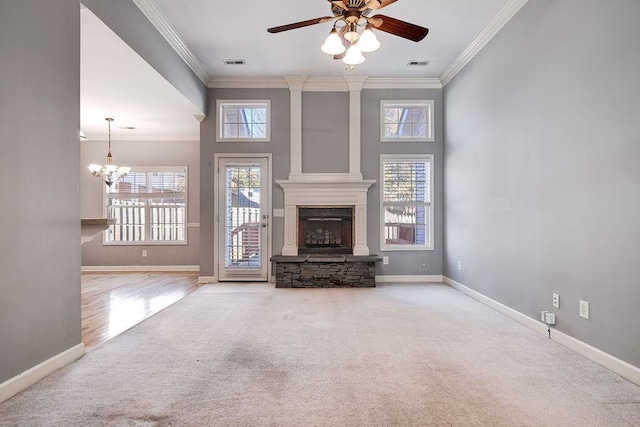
(278,213)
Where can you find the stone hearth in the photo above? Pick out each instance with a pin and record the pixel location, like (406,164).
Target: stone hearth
(325,271)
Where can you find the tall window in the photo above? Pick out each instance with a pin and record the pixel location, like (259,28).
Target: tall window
(406,121)
(244,121)
(150,206)
(407,209)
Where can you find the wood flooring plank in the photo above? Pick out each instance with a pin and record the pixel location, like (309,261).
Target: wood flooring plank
(112,303)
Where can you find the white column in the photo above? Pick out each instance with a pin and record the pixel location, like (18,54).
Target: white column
(355,88)
(296,84)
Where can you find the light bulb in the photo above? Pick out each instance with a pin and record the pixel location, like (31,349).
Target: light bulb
(333,45)
(368,41)
(353,56)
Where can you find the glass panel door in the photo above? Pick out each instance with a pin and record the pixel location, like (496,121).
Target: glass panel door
(243,219)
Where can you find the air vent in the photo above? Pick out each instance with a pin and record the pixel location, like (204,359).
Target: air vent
(234,62)
(417,63)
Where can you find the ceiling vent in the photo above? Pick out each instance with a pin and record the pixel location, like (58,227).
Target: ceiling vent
(234,62)
(417,63)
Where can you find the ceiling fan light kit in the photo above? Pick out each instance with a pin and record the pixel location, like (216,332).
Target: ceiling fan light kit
(354,55)
(368,40)
(353,14)
(333,45)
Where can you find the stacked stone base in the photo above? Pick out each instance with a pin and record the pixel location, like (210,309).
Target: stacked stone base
(325,271)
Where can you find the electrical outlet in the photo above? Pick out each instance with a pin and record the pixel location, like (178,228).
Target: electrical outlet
(549,318)
(460,265)
(543,315)
(556,300)
(584,309)
(385,260)
(144,253)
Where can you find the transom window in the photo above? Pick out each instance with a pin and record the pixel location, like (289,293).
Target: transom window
(149,205)
(244,121)
(407,209)
(406,121)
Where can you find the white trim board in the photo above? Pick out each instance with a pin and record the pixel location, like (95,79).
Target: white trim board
(138,268)
(203,280)
(164,27)
(22,381)
(501,19)
(382,278)
(620,367)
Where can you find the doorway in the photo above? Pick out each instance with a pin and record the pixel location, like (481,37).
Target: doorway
(243,215)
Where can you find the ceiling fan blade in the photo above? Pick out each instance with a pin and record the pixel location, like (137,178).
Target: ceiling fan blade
(400,28)
(377,4)
(300,24)
(338,3)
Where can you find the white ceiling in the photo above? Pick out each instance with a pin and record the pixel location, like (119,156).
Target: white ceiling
(218,30)
(117,82)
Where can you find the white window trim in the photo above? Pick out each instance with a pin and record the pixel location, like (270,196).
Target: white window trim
(429,104)
(409,157)
(184,242)
(242,102)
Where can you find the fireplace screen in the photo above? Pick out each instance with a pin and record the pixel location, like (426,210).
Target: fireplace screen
(325,230)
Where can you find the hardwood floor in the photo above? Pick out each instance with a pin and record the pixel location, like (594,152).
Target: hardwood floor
(114,302)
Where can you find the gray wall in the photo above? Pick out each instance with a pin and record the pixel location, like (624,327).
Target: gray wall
(140,153)
(325,117)
(279,147)
(542,149)
(325,132)
(131,25)
(401,262)
(39,163)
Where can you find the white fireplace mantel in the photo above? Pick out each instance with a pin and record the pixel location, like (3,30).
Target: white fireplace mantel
(324,190)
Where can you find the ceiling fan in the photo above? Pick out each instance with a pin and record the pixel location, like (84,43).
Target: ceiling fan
(344,41)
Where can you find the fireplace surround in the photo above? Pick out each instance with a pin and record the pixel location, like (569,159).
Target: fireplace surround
(324,192)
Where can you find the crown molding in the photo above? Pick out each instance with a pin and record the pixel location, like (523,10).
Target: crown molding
(247,83)
(295,83)
(403,83)
(503,16)
(322,84)
(326,84)
(133,138)
(162,24)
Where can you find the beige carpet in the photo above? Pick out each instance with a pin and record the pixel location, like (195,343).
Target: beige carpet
(253,355)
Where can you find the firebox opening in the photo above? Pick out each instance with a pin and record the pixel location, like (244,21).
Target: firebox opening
(325,230)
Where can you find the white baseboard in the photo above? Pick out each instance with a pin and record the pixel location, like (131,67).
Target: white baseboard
(207,279)
(20,382)
(408,279)
(620,367)
(138,268)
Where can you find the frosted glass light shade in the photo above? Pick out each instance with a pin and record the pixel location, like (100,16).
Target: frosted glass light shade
(93,168)
(368,41)
(353,56)
(333,45)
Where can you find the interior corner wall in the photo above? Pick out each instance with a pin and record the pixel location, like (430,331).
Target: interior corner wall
(141,153)
(412,263)
(39,163)
(542,149)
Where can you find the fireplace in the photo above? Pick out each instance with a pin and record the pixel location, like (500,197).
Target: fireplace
(325,230)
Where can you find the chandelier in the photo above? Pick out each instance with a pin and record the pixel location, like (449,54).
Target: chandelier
(109,172)
(338,40)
